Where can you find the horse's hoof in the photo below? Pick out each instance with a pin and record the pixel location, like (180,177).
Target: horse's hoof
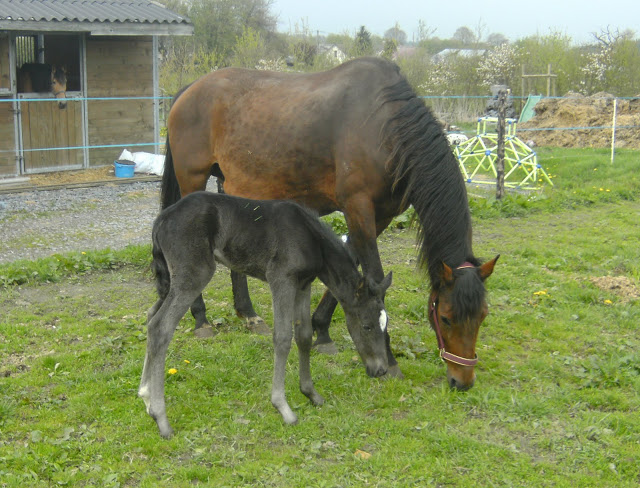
(204,332)
(328,348)
(394,372)
(258,326)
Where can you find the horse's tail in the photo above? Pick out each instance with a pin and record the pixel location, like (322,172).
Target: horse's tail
(170,189)
(159,266)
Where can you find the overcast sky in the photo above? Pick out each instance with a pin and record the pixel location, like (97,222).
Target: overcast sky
(578,19)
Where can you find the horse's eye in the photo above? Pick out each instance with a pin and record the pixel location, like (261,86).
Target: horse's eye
(366,327)
(446,321)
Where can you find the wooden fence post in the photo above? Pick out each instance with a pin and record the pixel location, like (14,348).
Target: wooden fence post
(502,111)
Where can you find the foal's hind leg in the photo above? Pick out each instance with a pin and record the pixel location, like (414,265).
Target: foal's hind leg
(303,335)
(160,330)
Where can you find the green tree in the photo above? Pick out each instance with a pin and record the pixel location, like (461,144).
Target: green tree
(555,49)
(362,46)
(249,49)
(390,48)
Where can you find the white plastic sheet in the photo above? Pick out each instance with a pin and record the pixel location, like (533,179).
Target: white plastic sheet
(145,162)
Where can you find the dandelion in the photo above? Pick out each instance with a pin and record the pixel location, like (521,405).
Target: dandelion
(608,302)
(173,371)
(186,361)
(83,252)
(539,293)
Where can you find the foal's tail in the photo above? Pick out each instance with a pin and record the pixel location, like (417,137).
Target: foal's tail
(160,268)
(170,190)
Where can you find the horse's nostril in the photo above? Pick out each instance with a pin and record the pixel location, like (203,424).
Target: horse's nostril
(453,383)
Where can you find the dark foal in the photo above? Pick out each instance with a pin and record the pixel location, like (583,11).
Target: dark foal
(278,242)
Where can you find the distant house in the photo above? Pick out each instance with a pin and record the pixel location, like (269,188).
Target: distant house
(446,54)
(332,52)
(109,49)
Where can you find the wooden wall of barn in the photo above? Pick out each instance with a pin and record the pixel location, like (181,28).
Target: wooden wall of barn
(7,133)
(119,67)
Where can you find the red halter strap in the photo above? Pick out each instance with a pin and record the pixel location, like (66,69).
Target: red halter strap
(444,355)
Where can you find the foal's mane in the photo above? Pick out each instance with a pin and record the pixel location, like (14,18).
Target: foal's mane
(333,249)
(426,174)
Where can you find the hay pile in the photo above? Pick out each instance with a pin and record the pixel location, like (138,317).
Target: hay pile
(576,110)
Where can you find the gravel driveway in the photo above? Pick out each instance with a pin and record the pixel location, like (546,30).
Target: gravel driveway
(39,223)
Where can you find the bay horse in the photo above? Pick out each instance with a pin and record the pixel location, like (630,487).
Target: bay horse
(44,78)
(355,139)
(278,242)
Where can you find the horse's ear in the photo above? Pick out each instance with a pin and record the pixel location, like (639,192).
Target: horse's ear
(447,273)
(487,268)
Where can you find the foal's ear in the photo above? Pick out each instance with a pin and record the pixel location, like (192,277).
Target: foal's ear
(487,268)
(379,289)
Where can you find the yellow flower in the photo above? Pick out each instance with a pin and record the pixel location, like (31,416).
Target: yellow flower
(187,361)
(173,371)
(608,302)
(83,252)
(541,292)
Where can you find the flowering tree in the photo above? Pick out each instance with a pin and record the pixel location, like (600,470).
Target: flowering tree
(613,66)
(500,66)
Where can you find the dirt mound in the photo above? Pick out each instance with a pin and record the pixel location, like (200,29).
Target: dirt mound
(573,112)
(622,286)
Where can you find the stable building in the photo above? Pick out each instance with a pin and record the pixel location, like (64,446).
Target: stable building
(109,52)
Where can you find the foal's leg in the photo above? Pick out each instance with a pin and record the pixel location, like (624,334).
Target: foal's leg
(303,335)
(283,295)
(160,330)
(164,317)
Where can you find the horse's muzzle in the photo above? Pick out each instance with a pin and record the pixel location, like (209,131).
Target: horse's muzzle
(376,371)
(458,385)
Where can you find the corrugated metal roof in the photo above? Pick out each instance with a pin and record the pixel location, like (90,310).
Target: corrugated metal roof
(14,12)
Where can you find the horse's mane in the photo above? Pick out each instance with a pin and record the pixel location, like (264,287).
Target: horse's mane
(426,174)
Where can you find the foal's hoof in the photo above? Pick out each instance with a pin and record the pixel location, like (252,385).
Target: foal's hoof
(203,332)
(258,326)
(328,348)
(394,372)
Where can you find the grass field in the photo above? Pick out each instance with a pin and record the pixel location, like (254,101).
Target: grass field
(556,400)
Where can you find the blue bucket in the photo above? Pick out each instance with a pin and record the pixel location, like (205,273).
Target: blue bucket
(124,169)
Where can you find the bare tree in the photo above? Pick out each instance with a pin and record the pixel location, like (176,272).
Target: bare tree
(425,31)
(464,35)
(497,39)
(397,34)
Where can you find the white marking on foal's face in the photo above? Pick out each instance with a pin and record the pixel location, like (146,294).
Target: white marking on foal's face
(383,320)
